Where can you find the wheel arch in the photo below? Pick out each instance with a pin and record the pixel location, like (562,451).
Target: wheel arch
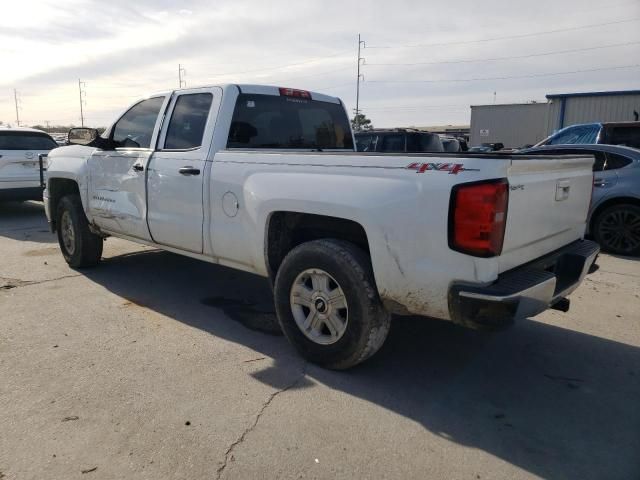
(58,188)
(286,229)
(610,202)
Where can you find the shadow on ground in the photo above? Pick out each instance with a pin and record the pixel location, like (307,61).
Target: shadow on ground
(554,402)
(25,221)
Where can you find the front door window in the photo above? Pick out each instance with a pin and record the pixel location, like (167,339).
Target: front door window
(135,128)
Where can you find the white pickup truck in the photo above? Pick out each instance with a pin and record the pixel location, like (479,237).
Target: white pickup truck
(266,180)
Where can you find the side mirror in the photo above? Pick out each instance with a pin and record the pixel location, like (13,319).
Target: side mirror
(82,136)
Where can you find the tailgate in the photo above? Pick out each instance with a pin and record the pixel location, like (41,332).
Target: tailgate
(549,200)
(19,165)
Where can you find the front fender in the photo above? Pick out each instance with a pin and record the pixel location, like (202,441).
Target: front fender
(70,163)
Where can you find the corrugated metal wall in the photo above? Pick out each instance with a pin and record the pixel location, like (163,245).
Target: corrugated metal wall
(521,124)
(552,121)
(601,109)
(514,125)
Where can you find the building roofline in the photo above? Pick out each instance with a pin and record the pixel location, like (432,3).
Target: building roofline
(507,104)
(594,94)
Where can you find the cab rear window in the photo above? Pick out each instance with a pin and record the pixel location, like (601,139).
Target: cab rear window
(270,121)
(26,141)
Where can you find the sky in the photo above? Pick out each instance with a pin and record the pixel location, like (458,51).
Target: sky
(424,62)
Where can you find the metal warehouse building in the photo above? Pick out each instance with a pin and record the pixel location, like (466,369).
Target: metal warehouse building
(516,125)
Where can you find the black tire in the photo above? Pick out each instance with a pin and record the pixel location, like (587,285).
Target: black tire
(367,323)
(85,247)
(617,229)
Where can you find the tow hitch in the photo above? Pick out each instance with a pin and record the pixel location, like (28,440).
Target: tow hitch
(563,305)
(41,157)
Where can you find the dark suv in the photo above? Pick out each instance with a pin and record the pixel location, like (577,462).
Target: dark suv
(398,141)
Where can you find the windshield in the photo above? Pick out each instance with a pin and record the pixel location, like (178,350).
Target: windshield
(575,135)
(26,141)
(269,121)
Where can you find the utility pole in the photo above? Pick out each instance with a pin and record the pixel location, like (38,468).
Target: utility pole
(83,94)
(360,43)
(15,97)
(181,73)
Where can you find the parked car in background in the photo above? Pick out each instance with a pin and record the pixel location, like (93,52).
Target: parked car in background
(60,138)
(450,144)
(609,133)
(19,164)
(487,148)
(614,216)
(398,140)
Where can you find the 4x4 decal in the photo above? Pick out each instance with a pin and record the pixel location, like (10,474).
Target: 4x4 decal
(452,168)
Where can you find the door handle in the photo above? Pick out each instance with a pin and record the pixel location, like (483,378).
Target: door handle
(138,167)
(189,171)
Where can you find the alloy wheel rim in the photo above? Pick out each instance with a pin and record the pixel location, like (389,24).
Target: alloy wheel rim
(319,306)
(68,234)
(620,230)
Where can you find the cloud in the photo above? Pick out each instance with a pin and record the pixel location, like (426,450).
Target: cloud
(123,49)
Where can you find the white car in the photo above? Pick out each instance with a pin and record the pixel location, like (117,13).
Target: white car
(266,180)
(19,164)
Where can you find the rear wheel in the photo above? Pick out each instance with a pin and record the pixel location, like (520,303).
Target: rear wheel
(79,245)
(328,305)
(617,229)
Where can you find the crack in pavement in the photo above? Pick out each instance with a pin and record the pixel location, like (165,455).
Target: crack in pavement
(265,405)
(11,283)
(620,273)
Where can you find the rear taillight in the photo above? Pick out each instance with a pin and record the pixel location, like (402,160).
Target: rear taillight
(477,217)
(292,92)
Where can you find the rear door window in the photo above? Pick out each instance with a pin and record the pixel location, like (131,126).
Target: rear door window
(600,161)
(188,121)
(615,161)
(271,121)
(26,141)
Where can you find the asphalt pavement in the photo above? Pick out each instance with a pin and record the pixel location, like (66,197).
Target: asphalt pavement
(157,366)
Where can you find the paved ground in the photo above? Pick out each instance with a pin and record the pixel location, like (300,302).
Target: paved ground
(157,366)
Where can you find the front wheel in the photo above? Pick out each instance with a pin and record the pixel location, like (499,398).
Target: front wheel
(328,305)
(617,229)
(79,245)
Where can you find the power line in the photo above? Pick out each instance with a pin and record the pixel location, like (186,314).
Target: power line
(276,67)
(331,87)
(514,57)
(535,75)
(507,37)
(421,107)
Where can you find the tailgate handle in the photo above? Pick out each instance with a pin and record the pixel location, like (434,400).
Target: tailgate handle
(562,190)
